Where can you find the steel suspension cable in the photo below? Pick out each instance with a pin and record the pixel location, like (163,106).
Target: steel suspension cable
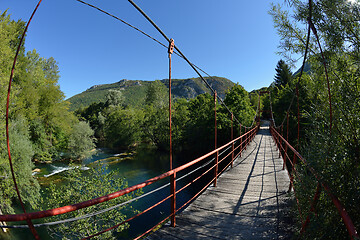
(177,53)
(271,111)
(183,56)
(256,112)
(118,205)
(300,75)
(312,26)
(29,222)
(194,66)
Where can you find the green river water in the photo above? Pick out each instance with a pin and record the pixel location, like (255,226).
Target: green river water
(135,167)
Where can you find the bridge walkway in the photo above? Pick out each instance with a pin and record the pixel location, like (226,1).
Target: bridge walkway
(249,202)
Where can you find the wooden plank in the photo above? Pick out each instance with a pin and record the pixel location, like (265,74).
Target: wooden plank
(249,202)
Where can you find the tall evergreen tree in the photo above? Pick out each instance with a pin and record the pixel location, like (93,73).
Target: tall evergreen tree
(331,144)
(283,74)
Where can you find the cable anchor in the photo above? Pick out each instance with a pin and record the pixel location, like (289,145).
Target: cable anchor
(171,47)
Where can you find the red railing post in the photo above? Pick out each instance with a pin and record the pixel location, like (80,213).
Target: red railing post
(280,143)
(246,137)
(312,209)
(241,142)
(173,198)
(217,152)
(173,176)
(232,138)
(170,51)
(287,138)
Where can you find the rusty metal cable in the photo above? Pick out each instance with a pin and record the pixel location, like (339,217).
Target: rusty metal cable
(312,26)
(179,51)
(271,111)
(29,222)
(299,78)
(120,204)
(175,52)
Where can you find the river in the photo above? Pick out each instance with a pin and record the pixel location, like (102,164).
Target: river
(135,167)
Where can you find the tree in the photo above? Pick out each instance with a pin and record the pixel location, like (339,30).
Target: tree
(180,121)
(40,123)
(81,186)
(238,101)
(123,127)
(156,94)
(200,130)
(22,152)
(21,146)
(156,119)
(283,74)
(332,149)
(114,98)
(81,141)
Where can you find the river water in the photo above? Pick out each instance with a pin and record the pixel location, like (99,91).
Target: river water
(135,167)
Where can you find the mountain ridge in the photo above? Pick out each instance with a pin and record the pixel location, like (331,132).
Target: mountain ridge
(135,90)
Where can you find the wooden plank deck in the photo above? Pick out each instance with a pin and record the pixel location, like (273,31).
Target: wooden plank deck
(249,202)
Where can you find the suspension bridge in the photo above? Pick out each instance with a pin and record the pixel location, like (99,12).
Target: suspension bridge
(244,183)
(250,200)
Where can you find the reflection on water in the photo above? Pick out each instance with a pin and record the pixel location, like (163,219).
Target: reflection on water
(135,167)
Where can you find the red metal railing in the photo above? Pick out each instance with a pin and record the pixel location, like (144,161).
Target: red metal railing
(283,146)
(241,142)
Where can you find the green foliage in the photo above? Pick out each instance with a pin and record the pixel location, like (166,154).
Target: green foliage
(21,152)
(200,131)
(40,123)
(333,153)
(134,91)
(123,127)
(81,141)
(156,94)
(81,186)
(180,121)
(95,115)
(283,74)
(237,99)
(156,120)
(114,98)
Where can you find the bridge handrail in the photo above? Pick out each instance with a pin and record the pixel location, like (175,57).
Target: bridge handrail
(279,139)
(69,208)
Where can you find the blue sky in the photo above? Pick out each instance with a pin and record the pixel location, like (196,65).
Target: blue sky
(230,38)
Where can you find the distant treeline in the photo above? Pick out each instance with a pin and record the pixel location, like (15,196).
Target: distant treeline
(120,126)
(43,129)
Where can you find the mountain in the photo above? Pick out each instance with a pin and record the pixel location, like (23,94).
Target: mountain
(135,90)
(307,69)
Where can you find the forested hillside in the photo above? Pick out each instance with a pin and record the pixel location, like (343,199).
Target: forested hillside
(134,91)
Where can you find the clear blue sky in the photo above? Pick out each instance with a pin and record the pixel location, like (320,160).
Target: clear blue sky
(230,38)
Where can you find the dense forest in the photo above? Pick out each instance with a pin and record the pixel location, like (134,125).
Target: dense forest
(120,126)
(329,138)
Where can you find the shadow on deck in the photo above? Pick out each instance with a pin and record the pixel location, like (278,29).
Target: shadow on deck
(249,202)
